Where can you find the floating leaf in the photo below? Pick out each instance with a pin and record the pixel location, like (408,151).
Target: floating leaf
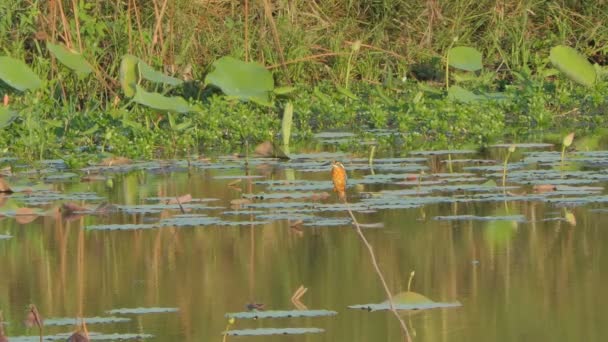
(90,320)
(408,300)
(5,237)
(128,76)
(6,116)
(243,80)
(286,126)
(17,74)
(280,314)
(140,311)
(273,331)
(161,102)
(152,75)
(70,59)
(573,64)
(465,58)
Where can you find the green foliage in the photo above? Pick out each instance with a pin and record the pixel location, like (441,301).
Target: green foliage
(286,123)
(17,74)
(245,81)
(71,59)
(148,73)
(465,58)
(159,102)
(128,77)
(573,64)
(6,116)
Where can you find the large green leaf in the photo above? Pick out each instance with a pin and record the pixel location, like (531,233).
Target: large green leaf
(6,116)
(465,58)
(70,59)
(128,74)
(17,74)
(152,75)
(460,94)
(246,81)
(161,102)
(573,64)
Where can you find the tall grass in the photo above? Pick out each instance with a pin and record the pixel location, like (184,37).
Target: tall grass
(395,34)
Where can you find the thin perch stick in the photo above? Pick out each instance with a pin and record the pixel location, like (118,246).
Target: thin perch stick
(370,249)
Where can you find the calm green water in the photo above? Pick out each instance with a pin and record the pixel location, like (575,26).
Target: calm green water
(535,277)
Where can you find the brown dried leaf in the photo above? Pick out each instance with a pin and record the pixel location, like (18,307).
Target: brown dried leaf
(180,200)
(25,215)
(264,149)
(540,188)
(113,161)
(70,207)
(240,201)
(4,187)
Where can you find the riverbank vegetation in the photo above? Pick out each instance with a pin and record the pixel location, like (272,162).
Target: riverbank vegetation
(149,79)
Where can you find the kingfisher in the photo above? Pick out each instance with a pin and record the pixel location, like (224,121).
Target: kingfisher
(338,176)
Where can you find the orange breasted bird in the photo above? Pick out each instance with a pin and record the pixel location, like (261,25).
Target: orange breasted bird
(338,176)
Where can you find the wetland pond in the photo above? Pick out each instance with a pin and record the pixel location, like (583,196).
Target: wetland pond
(170,250)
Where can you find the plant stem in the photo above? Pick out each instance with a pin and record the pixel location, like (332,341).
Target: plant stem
(370,249)
(504,171)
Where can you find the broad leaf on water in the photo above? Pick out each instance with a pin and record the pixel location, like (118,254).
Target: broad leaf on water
(128,76)
(161,102)
(88,320)
(6,116)
(465,58)
(273,331)
(243,80)
(280,314)
(573,64)
(17,74)
(70,59)
(408,300)
(140,311)
(152,75)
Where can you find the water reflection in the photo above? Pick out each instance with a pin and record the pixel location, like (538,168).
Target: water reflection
(541,279)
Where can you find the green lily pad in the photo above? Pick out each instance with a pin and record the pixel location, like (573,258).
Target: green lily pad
(141,311)
(573,64)
(280,314)
(272,331)
(152,75)
(243,80)
(408,300)
(161,102)
(89,320)
(465,58)
(71,59)
(18,75)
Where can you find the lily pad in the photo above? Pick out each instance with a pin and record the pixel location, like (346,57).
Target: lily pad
(141,311)
(88,320)
(465,58)
(573,64)
(280,314)
(18,75)
(243,80)
(516,218)
(272,331)
(160,102)
(5,237)
(71,59)
(408,301)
